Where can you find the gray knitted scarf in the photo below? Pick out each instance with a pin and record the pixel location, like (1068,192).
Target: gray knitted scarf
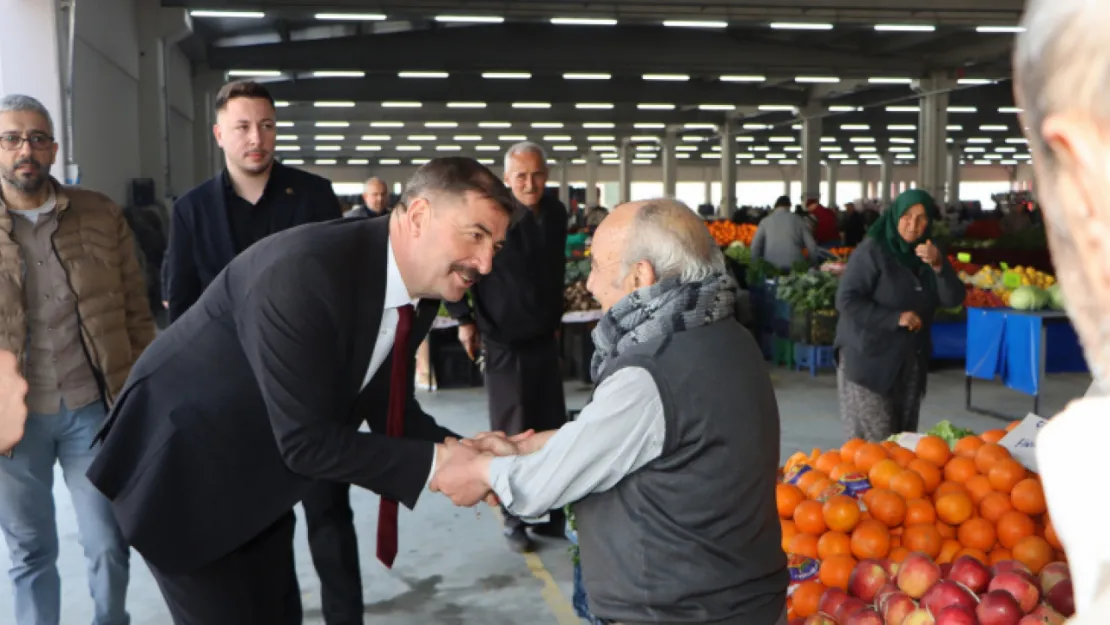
(662,309)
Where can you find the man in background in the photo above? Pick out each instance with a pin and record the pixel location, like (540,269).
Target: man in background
(782,236)
(1061,76)
(517,315)
(826,230)
(375,199)
(853,229)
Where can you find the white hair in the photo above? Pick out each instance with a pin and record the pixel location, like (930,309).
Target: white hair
(674,241)
(1062,62)
(17,103)
(525,147)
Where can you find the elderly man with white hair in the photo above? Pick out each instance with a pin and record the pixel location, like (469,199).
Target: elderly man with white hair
(1061,78)
(671,467)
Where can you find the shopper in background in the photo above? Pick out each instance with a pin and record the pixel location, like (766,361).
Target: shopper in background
(670,468)
(375,200)
(782,236)
(853,227)
(74,310)
(13,404)
(254,197)
(518,311)
(1061,73)
(826,228)
(889,292)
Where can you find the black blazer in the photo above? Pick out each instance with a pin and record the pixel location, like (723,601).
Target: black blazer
(874,291)
(201,243)
(232,412)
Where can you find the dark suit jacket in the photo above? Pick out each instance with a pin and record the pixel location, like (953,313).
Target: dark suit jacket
(233,411)
(201,242)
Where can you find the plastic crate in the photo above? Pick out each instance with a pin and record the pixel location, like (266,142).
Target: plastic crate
(783,315)
(814,358)
(784,353)
(813,327)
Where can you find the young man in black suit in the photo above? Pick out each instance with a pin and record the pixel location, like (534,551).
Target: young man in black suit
(233,414)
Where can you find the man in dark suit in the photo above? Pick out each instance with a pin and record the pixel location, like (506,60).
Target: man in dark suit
(234,412)
(252,198)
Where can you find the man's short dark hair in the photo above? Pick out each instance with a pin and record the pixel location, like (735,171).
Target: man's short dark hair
(456,175)
(783,201)
(242,89)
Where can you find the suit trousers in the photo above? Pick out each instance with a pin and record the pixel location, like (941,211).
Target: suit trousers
(256,584)
(334,547)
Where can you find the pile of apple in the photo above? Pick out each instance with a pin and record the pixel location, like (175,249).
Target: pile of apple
(965,592)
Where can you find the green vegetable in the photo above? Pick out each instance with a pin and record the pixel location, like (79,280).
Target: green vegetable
(950,433)
(809,291)
(739,252)
(1056,297)
(1029,298)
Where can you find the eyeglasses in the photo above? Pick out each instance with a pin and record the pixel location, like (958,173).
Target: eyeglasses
(39,143)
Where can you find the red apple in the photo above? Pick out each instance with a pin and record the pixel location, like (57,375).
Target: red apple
(832,600)
(1006,566)
(956,615)
(866,579)
(866,616)
(919,616)
(896,607)
(801,620)
(947,593)
(1048,615)
(945,569)
(971,573)
(884,592)
(917,575)
(998,607)
(819,619)
(1062,598)
(849,607)
(1053,574)
(1024,591)
(891,567)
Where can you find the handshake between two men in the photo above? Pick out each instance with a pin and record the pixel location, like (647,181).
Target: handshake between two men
(462,466)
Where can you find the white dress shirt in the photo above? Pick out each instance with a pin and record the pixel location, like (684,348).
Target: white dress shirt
(619,431)
(396,296)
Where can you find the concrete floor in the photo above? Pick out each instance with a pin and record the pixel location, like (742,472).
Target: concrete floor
(454,568)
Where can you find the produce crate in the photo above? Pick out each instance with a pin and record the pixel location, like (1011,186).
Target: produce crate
(782,318)
(814,358)
(784,353)
(813,327)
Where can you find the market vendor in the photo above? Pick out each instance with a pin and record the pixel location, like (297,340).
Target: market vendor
(892,287)
(782,236)
(672,466)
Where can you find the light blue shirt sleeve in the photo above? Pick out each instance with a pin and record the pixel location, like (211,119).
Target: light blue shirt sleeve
(619,431)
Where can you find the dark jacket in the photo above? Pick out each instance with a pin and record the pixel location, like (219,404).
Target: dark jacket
(235,410)
(521,300)
(201,241)
(874,291)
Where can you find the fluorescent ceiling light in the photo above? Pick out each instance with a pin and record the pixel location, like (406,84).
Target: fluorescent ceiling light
(861,139)
(717,107)
(760,161)
(328,73)
(554,138)
(289,138)
(598,125)
(486,161)
(248,15)
(328,137)
(693,138)
(290,124)
(332,124)
(495,125)
(657,106)
(905,28)
(293,161)
(332,104)
(1017,140)
(855,127)
(975,150)
(841,108)
(281,104)
(830,148)
(421,137)
(743,78)
(682,155)
(867,148)
(358,161)
(979,140)
(1009,109)
(387,124)
(351,17)
(776,107)
(695,24)
(760,148)
(792,148)
(376,137)
(649,125)
(466,105)
(1000,29)
(896,127)
(441,124)
(583,21)
(903,109)
(801,26)
(325,161)
(253,73)
(889,81)
(531,105)
(389,161)
(744,139)
(781,139)
(644,138)
(686,148)
(954,127)
(667,77)
(421,161)
(1005,150)
(593,105)
(565,148)
(974,81)
(599,138)
(586,76)
(410,74)
(640,162)
(699,126)
(994,128)
(368,148)
(287,148)
(513,138)
(507,75)
(408,148)
(962,109)
(816,79)
(547,124)
(828,139)
(401,105)
(469,19)
(902,140)
(754,126)
(448,148)
(486,148)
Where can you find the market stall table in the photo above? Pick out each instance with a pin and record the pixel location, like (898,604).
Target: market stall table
(1019,347)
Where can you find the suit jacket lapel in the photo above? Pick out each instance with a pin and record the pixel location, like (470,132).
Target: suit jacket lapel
(369,284)
(282,220)
(221,221)
(426,313)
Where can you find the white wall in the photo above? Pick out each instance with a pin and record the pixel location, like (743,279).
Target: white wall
(180,87)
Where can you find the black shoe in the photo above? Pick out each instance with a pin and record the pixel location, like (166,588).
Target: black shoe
(519,540)
(551,529)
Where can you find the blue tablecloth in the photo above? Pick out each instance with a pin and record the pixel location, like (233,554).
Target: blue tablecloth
(949,339)
(1006,343)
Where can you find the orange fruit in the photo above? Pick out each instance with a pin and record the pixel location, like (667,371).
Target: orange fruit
(1034,552)
(787,497)
(960,470)
(909,484)
(841,513)
(806,597)
(947,488)
(1006,474)
(994,505)
(808,478)
(789,531)
(868,455)
(842,469)
(881,474)
(902,456)
(834,544)
(975,553)
(848,449)
(888,445)
(928,472)
(1012,527)
(990,454)
(871,539)
(948,550)
(1001,554)
(946,530)
(809,516)
(954,508)
(967,446)
(898,554)
(818,486)
(977,534)
(923,537)
(933,449)
(1010,428)
(827,461)
(992,436)
(1050,535)
(978,487)
(1028,497)
(887,507)
(804,545)
(836,570)
(920,511)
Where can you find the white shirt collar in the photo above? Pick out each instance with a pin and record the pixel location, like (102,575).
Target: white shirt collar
(396,293)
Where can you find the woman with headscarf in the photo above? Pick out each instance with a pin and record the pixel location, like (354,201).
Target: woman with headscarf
(889,292)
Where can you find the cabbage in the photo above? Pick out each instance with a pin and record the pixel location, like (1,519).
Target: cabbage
(1029,298)
(1056,297)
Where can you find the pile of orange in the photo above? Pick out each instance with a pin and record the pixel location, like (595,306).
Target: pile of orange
(726,232)
(972,499)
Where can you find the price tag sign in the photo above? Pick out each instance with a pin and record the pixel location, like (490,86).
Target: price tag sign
(963,257)
(1021,442)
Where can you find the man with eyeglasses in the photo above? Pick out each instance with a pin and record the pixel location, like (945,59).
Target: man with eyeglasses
(74,311)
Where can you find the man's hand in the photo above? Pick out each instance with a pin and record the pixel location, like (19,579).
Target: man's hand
(13,408)
(468,336)
(498,444)
(460,474)
(910,321)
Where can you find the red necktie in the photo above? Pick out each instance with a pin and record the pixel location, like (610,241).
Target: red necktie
(395,426)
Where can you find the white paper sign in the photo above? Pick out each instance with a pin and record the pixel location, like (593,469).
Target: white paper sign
(1021,442)
(909,440)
